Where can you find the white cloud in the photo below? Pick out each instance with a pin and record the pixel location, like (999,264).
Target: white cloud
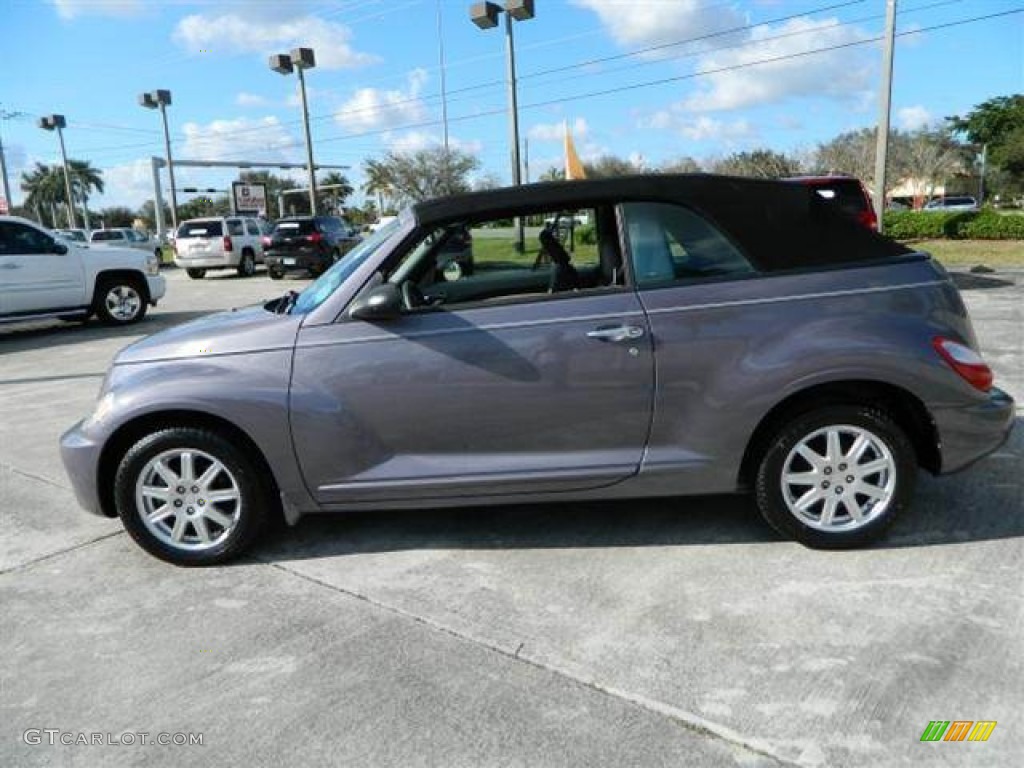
(414,141)
(373,108)
(128,184)
(913,118)
(556,131)
(70,9)
(745,82)
(702,128)
(245,99)
(241,33)
(263,139)
(645,23)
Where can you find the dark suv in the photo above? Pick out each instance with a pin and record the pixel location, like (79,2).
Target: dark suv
(307,243)
(847,192)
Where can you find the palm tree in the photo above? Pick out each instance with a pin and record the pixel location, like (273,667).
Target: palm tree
(44,185)
(343,188)
(378,182)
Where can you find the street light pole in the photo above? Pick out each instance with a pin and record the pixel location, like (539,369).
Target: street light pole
(301,59)
(885,106)
(57,122)
(485,16)
(162,99)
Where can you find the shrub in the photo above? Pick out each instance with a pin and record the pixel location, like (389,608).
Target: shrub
(963,225)
(586,235)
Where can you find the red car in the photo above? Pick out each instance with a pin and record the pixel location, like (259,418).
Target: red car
(847,192)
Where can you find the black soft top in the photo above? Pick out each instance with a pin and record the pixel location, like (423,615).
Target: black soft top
(778,224)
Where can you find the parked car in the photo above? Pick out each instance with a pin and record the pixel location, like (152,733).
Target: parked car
(231,242)
(307,244)
(720,335)
(45,276)
(73,235)
(846,192)
(953,203)
(126,237)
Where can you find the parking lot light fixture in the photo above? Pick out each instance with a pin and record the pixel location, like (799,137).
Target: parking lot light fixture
(485,16)
(299,60)
(57,123)
(161,99)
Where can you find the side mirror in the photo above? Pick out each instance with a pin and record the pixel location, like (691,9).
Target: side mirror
(381,303)
(59,248)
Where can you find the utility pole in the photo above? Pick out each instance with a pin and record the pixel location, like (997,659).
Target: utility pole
(885,105)
(444,90)
(5,115)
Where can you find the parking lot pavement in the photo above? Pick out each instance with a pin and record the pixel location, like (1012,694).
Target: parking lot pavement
(663,632)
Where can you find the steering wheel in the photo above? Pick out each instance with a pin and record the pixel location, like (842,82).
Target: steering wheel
(412,296)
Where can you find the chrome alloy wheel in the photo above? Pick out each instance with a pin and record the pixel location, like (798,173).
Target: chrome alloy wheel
(188,499)
(838,478)
(123,302)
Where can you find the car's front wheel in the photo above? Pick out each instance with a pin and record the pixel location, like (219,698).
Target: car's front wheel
(190,497)
(119,301)
(836,477)
(196,273)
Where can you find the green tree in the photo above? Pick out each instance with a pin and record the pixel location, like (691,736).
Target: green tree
(761,163)
(426,174)
(378,182)
(681,165)
(998,125)
(147,212)
(609,166)
(116,216)
(336,197)
(203,206)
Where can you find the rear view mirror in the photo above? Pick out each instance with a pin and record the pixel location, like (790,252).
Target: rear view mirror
(381,303)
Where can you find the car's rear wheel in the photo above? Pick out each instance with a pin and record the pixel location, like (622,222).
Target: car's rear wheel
(190,497)
(119,301)
(275,274)
(247,264)
(196,273)
(836,477)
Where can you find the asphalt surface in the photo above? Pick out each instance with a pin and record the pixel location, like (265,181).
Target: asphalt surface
(672,632)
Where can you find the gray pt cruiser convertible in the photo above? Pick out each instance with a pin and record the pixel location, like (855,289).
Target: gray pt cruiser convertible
(679,335)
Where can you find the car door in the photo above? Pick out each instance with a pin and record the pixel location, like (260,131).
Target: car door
(522,392)
(34,276)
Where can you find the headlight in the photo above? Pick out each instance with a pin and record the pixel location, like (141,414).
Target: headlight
(152,264)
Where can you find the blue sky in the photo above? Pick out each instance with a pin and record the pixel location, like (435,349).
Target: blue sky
(377,83)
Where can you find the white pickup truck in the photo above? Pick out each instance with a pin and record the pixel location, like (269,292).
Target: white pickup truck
(42,275)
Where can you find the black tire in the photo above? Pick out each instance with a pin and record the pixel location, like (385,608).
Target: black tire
(890,489)
(275,274)
(247,515)
(196,273)
(247,264)
(120,300)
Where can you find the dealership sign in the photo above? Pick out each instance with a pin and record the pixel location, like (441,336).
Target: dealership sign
(249,199)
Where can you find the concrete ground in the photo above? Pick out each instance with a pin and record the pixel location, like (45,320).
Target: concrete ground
(676,632)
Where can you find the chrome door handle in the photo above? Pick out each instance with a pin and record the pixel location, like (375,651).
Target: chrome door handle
(616,333)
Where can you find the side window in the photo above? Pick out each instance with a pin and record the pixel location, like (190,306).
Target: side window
(669,242)
(251,228)
(481,260)
(17,239)
(235,227)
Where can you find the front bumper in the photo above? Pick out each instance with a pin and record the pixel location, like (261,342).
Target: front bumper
(81,457)
(969,433)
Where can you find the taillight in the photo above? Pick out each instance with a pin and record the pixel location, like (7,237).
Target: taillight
(228,245)
(965,361)
(316,237)
(266,241)
(868,219)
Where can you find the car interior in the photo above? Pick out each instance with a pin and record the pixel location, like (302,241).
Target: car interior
(558,257)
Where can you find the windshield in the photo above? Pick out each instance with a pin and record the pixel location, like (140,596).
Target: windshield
(321,288)
(105,235)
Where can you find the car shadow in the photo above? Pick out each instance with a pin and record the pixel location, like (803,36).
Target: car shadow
(967,281)
(56,333)
(982,503)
